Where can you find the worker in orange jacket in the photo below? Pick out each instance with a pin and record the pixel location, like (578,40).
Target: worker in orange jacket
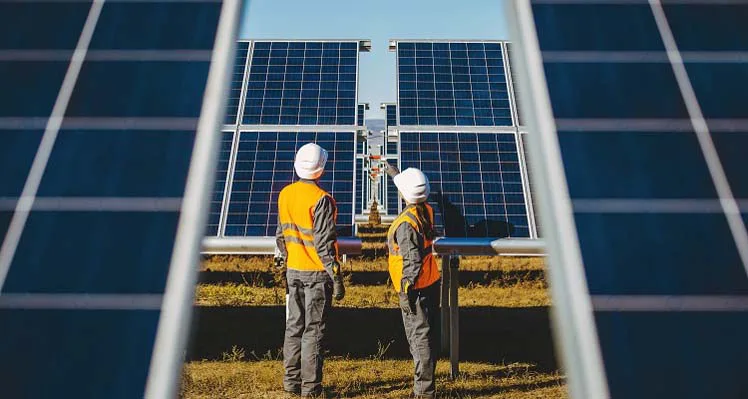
(307,245)
(415,275)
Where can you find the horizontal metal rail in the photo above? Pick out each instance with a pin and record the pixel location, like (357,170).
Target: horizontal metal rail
(264,245)
(352,246)
(488,246)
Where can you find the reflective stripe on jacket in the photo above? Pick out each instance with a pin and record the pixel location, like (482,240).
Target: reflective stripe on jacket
(297,204)
(421,270)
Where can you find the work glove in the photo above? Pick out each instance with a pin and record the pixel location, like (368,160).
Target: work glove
(390,170)
(338,289)
(411,294)
(279,262)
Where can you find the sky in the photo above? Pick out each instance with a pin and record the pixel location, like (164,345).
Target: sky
(378,21)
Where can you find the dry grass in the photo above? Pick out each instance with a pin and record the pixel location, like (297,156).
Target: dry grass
(476,263)
(369,379)
(522,294)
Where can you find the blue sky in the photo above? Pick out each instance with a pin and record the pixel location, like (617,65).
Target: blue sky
(379,21)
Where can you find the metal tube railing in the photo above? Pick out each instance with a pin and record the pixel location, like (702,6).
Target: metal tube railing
(264,245)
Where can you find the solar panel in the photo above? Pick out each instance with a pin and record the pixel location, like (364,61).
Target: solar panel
(476,181)
(101,202)
(646,127)
(452,83)
(237,82)
(360,115)
(391,115)
(264,165)
(302,83)
(216,201)
(392,200)
(361,197)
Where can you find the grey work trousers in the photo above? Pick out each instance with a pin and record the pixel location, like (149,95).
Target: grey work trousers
(309,302)
(420,309)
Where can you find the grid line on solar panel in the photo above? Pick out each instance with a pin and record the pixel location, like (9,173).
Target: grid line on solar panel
(476,181)
(302,83)
(452,84)
(264,165)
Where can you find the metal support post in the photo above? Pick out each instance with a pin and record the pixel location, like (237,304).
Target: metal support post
(444,305)
(454,317)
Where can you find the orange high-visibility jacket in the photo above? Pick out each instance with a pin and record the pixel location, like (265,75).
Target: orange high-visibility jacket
(296,203)
(429,273)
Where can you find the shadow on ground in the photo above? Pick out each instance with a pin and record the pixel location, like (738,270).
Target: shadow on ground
(487,334)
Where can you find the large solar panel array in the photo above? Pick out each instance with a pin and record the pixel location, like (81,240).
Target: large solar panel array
(99,109)
(302,83)
(649,108)
(476,181)
(264,165)
(452,84)
(456,124)
(308,84)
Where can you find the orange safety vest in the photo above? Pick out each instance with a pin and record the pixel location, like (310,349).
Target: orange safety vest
(296,204)
(429,273)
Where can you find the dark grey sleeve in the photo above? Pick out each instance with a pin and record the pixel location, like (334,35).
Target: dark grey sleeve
(325,236)
(410,242)
(280,242)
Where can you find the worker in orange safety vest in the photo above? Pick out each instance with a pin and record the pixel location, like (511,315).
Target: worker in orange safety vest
(307,244)
(415,275)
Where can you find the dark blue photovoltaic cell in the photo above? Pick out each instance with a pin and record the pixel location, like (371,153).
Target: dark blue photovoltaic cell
(720,88)
(731,148)
(17,151)
(141,89)
(29,89)
(392,197)
(360,117)
(237,79)
(157,25)
(302,83)
(609,90)
(452,83)
(391,149)
(633,165)
(360,197)
(122,252)
(118,163)
(216,201)
(264,165)
(91,353)
(5,217)
(476,182)
(722,26)
(679,253)
(686,355)
(391,115)
(27,26)
(579,27)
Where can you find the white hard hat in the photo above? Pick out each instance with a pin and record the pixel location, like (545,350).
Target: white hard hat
(310,161)
(413,185)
